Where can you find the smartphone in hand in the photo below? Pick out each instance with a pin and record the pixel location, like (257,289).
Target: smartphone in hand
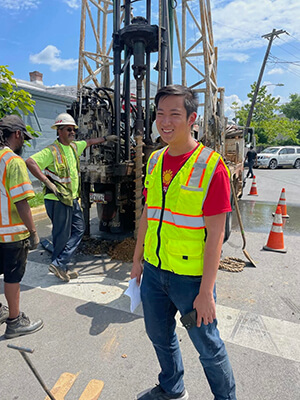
(189,320)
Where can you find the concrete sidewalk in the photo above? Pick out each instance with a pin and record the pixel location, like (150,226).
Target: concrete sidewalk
(89,329)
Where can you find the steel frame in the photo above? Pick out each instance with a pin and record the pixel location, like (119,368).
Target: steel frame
(100,61)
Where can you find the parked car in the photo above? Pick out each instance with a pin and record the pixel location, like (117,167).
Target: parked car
(277,156)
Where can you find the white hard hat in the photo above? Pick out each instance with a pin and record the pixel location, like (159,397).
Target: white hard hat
(64,119)
(155,134)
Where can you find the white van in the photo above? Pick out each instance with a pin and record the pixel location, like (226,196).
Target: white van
(276,156)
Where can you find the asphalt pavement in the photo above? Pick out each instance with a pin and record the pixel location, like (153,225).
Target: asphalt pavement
(91,338)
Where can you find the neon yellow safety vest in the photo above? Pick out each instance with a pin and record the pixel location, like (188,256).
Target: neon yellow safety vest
(61,174)
(175,236)
(15,186)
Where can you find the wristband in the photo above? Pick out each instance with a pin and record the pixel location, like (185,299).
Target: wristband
(104,137)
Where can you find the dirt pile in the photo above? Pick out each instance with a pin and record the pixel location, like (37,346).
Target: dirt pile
(122,251)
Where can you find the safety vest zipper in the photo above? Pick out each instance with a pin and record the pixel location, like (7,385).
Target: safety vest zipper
(163,209)
(159,227)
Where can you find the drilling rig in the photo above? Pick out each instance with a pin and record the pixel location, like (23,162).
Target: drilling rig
(128,50)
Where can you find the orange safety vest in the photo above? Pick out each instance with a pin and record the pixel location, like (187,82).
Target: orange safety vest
(12,228)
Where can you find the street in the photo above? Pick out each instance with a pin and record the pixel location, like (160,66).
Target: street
(91,334)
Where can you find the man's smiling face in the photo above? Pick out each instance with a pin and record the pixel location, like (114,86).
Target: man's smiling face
(172,122)
(66,134)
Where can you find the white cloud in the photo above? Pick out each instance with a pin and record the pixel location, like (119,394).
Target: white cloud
(19,4)
(240,24)
(73,3)
(51,56)
(228,100)
(275,71)
(239,57)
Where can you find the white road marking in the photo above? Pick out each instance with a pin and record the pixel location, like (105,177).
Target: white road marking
(258,332)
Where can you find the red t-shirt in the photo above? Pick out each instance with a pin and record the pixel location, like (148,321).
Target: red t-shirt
(218,197)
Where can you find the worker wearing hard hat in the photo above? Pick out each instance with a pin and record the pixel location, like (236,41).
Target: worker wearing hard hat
(57,167)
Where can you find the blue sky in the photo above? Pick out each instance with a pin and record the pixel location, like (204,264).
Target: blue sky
(43,35)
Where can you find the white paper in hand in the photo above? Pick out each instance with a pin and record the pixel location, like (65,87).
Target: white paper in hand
(134,293)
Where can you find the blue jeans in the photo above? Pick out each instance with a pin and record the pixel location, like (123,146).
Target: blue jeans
(250,172)
(67,230)
(164,293)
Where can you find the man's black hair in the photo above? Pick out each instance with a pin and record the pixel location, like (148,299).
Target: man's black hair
(190,96)
(4,135)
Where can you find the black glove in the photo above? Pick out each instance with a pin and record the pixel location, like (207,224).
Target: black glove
(34,240)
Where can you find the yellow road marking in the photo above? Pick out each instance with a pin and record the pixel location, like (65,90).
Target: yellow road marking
(62,386)
(110,345)
(92,390)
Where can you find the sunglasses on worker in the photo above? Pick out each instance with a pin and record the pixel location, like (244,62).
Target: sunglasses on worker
(70,129)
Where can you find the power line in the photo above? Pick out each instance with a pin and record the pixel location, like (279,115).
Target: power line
(286,51)
(236,29)
(281,61)
(275,62)
(293,37)
(270,37)
(290,44)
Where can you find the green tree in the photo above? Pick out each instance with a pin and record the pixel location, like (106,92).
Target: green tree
(12,100)
(281,131)
(270,129)
(235,108)
(292,109)
(265,106)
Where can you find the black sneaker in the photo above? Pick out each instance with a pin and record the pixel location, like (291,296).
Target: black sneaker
(59,272)
(22,326)
(4,313)
(157,393)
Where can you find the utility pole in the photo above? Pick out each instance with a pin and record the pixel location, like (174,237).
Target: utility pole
(270,37)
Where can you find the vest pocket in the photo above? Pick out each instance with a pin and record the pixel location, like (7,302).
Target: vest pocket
(149,182)
(189,200)
(185,256)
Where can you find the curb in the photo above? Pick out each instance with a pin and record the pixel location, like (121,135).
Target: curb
(39,213)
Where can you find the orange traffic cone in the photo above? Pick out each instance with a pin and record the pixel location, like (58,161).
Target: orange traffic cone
(275,241)
(253,190)
(282,204)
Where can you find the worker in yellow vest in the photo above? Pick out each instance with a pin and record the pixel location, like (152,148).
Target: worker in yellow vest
(17,229)
(57,167)
(187,191)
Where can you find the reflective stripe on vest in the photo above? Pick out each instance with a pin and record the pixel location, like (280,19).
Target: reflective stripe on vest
(194,180)
(175,237)
(19,190)
(177,219)
(7,228)
(58,154)
(58,177)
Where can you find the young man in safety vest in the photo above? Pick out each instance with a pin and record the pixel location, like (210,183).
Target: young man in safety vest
(61,177)
(180,238)
(17,229)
